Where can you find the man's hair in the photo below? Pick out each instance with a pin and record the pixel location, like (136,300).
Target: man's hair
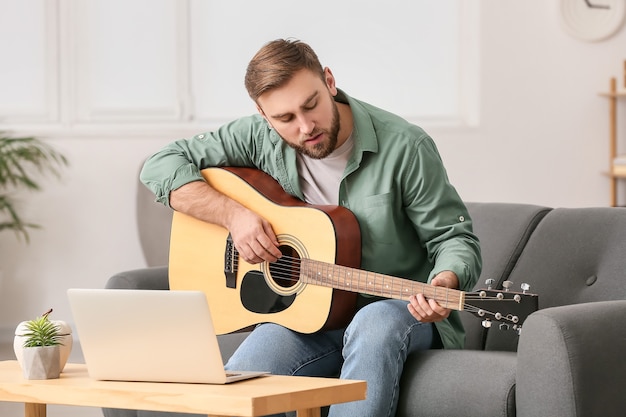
(276,63)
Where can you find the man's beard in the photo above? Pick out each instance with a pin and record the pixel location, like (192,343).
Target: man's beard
(323,149)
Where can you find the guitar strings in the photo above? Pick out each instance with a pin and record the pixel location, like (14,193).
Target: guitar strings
(288,269)
(285,267)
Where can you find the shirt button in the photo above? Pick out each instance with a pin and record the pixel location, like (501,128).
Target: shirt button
(200,136)
(461,218)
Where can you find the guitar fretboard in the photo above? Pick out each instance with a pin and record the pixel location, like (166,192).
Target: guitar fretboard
(356,280)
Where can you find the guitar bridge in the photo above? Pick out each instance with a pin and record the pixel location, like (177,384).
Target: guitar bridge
(230,271)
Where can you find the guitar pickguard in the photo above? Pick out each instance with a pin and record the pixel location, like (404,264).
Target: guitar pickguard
(258,297)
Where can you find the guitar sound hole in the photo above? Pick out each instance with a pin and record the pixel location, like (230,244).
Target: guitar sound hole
(286,271)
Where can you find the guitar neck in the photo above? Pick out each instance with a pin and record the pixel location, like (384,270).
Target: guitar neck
(356,280)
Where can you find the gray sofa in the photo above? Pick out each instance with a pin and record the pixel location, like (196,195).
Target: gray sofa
(569,359)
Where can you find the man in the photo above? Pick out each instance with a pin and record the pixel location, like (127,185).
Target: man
(328,148)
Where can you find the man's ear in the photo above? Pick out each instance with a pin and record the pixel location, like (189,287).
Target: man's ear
(330,81)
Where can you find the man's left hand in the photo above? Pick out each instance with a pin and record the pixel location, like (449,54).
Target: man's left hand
(429,311)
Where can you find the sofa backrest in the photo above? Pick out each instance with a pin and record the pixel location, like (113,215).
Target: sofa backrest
(154,222)
(503,230)
(575,255)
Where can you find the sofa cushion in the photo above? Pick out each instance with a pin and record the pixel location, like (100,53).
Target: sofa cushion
(444,383)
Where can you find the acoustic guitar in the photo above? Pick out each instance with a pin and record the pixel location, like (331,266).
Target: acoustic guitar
(314,285)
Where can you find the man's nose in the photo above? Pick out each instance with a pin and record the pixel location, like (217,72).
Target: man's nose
(307,126)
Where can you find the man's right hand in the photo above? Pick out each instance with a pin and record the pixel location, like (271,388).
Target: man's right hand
(252,235)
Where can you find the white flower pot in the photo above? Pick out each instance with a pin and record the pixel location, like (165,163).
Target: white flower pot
(64,350)
(41,362)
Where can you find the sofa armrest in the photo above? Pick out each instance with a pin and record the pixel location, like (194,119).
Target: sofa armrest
(155,278)
(571,361)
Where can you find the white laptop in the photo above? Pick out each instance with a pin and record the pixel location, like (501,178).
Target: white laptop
(149,335)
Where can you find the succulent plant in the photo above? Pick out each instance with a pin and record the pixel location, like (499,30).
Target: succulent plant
(42,332)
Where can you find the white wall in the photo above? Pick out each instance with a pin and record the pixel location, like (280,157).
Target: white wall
(541,131)
(543,135)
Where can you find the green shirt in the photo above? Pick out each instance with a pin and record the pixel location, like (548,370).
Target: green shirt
(413,222)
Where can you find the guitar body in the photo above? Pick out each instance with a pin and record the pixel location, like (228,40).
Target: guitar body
(200,254)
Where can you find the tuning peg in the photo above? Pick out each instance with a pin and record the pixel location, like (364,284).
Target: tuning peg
(486,324)
(525,287)
(507,284)
(490,283)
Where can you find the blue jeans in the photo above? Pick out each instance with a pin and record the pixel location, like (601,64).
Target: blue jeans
(373,348)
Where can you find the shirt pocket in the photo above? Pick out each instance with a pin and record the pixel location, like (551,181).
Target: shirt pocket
(376,217)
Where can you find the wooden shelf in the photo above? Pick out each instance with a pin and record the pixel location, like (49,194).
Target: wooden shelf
(616,94)
(617,170)
(618,167)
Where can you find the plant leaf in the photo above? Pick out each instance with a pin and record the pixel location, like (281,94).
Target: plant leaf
(21,159)
(42,332)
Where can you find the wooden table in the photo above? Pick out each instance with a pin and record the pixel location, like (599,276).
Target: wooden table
(255,397)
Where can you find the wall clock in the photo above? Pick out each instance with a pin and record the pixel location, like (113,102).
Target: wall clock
(592,20)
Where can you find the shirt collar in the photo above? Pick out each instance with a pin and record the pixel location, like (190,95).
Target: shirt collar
(363,126)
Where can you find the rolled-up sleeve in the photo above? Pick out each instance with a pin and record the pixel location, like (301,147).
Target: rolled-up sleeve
(239,143)
(161,174)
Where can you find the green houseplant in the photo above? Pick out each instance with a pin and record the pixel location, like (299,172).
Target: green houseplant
(21,160)
(42,332)
(41,340)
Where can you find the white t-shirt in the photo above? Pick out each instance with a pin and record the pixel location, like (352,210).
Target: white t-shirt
(320,178)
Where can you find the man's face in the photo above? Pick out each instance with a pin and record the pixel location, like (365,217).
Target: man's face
(304,113)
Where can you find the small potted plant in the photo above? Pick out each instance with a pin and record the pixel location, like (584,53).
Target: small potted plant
(41,342)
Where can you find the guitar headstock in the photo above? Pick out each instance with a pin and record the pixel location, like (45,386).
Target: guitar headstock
(509,308)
